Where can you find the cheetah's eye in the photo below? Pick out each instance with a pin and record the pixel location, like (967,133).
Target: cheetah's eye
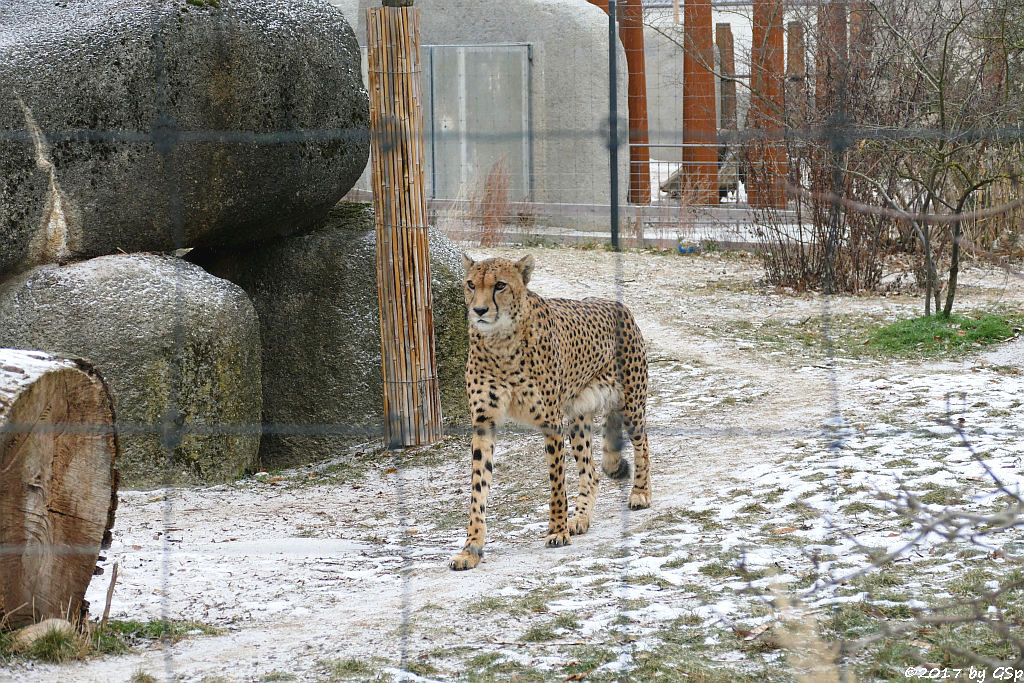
(469,283)
(498,286)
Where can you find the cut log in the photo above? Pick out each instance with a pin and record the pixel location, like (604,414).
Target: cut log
(58,483)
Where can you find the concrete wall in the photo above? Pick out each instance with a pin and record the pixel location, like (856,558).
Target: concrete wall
(569,82)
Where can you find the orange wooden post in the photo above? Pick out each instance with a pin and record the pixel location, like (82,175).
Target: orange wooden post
(830,58)
(700,132)
(631,35)
(768,154)
(726,52)
(412,407)
(861,35)
(795,54)
(796,74)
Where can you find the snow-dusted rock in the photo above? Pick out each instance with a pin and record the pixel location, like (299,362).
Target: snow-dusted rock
(316,296)
(156,125)
(135,317)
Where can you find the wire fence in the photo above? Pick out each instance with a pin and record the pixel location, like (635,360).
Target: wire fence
(525,149)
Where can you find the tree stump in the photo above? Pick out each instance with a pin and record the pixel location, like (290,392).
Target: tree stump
(58,483)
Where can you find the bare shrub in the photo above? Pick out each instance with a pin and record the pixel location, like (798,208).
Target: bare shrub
(492,210)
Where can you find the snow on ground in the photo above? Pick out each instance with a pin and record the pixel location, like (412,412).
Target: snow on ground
(774,465)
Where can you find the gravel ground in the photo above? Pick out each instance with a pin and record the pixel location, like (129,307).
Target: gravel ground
(775,468)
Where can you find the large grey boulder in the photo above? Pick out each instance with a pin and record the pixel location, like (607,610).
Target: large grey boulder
(316,296)
(149,126)
(177,346)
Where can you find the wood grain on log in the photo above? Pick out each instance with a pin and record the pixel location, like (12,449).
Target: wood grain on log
(58,483)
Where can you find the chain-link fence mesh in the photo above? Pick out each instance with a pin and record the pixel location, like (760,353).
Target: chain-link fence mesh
(821,510)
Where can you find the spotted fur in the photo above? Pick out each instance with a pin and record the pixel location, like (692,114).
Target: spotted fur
(538,361)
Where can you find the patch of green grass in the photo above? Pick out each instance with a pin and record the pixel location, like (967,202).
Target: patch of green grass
(491,603)
(648,580)
(889,660)
(537,600)
(484,660)
(132,633)
(938,335)
(145,677)
(849,621)
(942,495)
(717,570)
(538,633)
(275,676)
(6,646)
(421,667)
(970,583)
(955,640)
(567,621)
(117,637)
(348,669)
(504,669)
(900,611)
(637,603)
(858,506)
(753,508)
(674,662)
(58,647)
(676,563)
(883,577)
(681,516)
(901,462)
(586,658)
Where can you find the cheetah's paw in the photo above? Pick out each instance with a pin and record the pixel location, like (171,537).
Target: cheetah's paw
(557,540)
(578,524)
(467,559)
(639,499)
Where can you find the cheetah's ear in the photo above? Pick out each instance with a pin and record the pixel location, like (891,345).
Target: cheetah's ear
(467,262)
(525,268)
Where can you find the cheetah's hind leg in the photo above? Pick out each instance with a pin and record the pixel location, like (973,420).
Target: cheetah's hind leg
(612,462)
(640,496)
(580,443)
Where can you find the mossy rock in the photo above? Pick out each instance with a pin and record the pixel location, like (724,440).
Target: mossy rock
(178,346)
(316,296)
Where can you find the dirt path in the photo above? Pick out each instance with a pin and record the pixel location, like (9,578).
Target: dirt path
(338,571)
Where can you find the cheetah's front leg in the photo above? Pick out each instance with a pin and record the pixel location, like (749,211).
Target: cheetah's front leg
(484,431)
(558,528)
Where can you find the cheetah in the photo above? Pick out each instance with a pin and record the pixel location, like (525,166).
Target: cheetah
(536,361)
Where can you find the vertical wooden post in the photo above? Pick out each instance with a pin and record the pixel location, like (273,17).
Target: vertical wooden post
(631,34)
(412,407)
(796,72)
(700,132)
(830,59)
(768,153)
(861,36)
(726,51)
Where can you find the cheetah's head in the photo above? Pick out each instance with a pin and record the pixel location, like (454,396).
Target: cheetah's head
(495,292)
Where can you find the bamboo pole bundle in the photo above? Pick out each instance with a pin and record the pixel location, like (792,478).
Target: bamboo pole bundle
(411,401)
